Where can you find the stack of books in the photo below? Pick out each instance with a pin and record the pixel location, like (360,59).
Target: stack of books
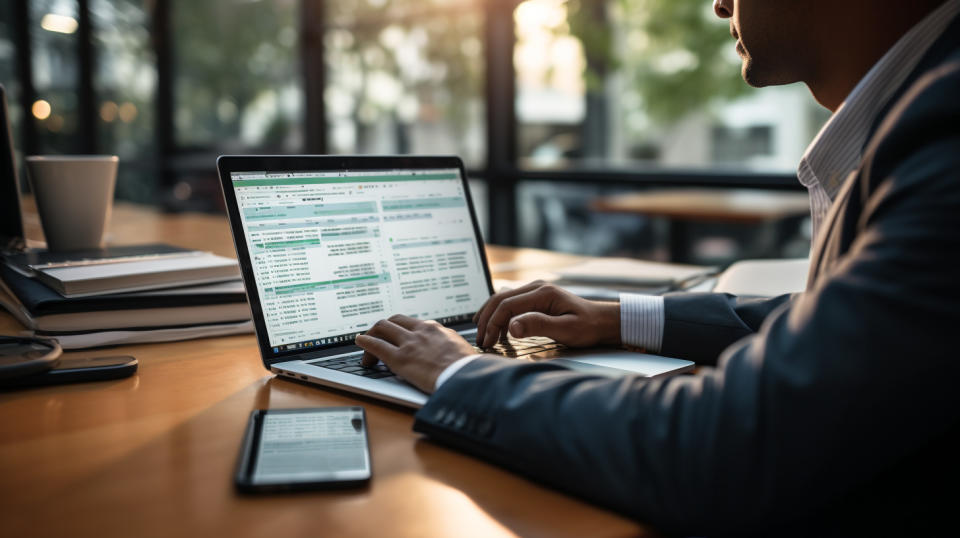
(125,295)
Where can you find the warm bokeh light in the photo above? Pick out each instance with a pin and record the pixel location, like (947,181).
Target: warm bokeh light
(60,24)
(109,111)
(41,109)
(128,112)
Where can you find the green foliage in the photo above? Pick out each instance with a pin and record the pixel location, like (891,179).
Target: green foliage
(455,77)
(587,21)
(675,52)
(226,50)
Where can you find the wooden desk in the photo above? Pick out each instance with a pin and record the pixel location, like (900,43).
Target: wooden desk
(681,206)
(153,455)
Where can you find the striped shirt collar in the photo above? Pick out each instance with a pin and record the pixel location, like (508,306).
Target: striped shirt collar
(837,149)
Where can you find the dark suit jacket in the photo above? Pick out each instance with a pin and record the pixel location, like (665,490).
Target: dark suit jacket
(838,416)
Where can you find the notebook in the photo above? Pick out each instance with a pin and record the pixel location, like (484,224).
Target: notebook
(631,272)
(41,309)
(764,278)
(86,277)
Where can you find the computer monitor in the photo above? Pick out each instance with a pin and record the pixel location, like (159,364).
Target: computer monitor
(11,216)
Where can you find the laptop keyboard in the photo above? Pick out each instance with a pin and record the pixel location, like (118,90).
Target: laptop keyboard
(509,347)
(351,365)
(518,347)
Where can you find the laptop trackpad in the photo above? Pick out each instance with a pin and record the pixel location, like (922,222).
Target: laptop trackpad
(614,362)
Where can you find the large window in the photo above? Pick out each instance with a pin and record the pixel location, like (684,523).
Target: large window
(647,84)
(551,103)
(619,95)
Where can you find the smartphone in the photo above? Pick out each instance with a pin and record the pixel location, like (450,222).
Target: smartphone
(76,370)
(299,449)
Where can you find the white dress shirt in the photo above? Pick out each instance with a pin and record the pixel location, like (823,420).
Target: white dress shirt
(837,149)
(831,157)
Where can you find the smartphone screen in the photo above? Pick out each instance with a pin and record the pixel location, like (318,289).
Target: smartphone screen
(307,447)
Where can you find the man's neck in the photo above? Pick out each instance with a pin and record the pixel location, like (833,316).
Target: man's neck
(851,54)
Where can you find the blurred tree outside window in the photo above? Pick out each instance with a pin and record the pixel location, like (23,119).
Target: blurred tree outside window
(648,83)
(237,76)
(125,89)
(405,76)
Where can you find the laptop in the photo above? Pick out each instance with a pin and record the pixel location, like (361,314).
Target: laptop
(328,245)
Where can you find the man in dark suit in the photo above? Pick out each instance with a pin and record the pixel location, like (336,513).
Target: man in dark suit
(832,411)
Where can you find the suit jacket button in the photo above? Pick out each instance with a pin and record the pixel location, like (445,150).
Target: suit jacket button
(440,414)
(449,417)
(461,421)
(485,427)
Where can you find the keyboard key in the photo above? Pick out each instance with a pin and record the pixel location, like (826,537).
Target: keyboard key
(518,347)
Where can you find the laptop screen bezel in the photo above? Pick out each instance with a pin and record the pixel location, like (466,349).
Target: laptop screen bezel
(227,165)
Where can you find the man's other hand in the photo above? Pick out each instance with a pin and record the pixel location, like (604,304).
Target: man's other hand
(542,309)
(415,350)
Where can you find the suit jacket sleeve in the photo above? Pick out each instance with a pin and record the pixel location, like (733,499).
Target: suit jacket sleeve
(845,382)
(699,326)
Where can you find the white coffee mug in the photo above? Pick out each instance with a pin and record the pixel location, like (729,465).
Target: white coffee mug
(74,195)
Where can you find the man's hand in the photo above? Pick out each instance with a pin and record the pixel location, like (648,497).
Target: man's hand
(542,309)
(415,350)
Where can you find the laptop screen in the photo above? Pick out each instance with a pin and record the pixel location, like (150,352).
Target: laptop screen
(334,252)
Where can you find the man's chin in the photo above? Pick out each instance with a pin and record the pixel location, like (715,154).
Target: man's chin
(750,78)
(758,78)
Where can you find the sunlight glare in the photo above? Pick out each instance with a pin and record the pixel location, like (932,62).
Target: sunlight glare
(60,24)
(535,14)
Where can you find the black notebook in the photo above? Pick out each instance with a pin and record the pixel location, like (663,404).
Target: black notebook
(40,308)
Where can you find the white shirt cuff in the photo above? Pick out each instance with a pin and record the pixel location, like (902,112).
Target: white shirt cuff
(641,321)
(454,367)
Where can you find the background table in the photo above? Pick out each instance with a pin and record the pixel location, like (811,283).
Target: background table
(774,211)
(153,455)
